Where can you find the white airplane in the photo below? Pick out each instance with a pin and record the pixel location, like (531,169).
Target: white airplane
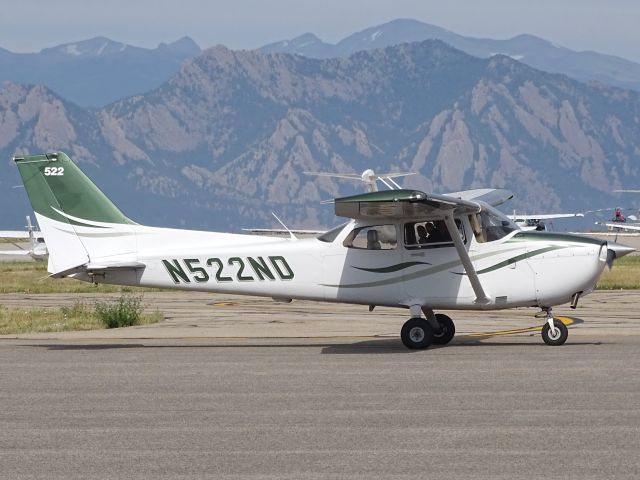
(368,177)
(620,226)
(536,222)
(37,250)
(474,257)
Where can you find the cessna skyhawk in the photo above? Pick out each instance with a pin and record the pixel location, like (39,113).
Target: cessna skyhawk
(400,248)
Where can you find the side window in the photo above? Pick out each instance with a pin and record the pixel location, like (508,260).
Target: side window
(373,237)
(430,234)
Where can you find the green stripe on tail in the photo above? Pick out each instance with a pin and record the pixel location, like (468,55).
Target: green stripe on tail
(54,182)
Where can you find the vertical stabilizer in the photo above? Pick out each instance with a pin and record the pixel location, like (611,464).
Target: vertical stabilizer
(73,213)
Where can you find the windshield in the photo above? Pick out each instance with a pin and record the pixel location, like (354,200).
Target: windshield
(491,224)
(332,234)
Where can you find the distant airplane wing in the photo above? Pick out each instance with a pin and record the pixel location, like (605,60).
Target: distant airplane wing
(545,216)
(492,196)
(621,226)
(369,177)
(22,253)
(282,231)
(14,234)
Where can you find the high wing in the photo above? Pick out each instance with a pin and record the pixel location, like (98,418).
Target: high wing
(413,203)
(402,203)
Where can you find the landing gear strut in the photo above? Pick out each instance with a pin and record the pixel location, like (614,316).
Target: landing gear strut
(554,332)
(418,333)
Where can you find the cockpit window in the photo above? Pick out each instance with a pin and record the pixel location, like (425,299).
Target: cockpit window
(331,235)
(373,237)
(430,234)
(490,225)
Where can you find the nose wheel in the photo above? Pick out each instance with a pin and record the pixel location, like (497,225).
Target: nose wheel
(554,332)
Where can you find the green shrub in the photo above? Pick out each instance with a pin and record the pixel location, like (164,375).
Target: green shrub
(124,312)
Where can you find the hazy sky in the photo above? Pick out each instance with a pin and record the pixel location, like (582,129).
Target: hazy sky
(609,26)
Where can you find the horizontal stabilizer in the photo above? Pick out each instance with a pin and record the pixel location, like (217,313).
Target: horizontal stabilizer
(94,268)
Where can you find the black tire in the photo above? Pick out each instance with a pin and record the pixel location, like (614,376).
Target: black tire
(416,334)
(447,330)
(560,338)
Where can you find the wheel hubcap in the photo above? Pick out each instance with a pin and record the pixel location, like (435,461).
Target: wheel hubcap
(416,334)
(554,334)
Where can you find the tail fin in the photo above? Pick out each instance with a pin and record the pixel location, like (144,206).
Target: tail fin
(32,237)
(75,216)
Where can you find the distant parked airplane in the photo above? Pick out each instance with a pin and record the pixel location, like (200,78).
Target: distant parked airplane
(37,250)
(536,221)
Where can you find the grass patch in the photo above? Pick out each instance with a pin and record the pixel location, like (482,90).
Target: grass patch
(28,320)
(32,277)
(625,275)
(78,316)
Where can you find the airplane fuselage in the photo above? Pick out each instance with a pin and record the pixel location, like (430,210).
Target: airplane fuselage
(519,269)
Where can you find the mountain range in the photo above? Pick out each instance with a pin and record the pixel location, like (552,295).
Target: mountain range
(534,51)
(98,71)
(226,140)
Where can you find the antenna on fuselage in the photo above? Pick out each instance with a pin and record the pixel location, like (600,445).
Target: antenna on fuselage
(293,237)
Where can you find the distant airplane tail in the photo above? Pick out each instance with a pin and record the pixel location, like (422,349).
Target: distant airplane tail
(73,213)
(32,238)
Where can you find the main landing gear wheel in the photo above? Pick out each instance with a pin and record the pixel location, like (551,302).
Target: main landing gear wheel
(416,333)
(447,330)
(557,336)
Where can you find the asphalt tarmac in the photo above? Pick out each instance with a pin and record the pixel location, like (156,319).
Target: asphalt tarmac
(240,387)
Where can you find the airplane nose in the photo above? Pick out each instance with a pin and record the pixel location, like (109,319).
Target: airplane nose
(617,250)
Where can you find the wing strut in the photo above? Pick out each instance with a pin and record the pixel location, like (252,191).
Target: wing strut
(481,296)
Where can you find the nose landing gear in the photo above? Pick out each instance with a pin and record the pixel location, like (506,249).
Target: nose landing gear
(554,332)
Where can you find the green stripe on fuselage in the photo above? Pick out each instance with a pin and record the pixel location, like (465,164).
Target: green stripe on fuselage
(533,236)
